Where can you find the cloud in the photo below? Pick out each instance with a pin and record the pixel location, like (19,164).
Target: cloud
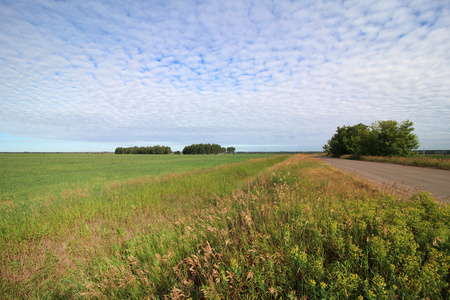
(234,72)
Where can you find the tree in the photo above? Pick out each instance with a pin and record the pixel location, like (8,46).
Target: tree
(347,140)
(119,150)
(144,150)
(394,139)
(230,150)
(203,149)
(383,138)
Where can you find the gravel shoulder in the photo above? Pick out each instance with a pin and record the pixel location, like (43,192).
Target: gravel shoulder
(405,178)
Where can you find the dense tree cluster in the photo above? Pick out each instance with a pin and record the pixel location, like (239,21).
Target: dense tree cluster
(230,150)
(204,149)
(192,149)
(144,150)
(382,138)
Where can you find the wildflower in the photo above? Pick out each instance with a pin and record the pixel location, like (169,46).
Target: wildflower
(223,276)
(294,251)
(234,264)
(312,282)
(303,257)
(323,285)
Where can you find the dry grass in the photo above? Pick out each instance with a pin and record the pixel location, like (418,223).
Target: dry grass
(417,161)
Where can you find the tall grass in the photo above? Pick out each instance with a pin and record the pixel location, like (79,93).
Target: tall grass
(273,228)
(442,162)
(41,240)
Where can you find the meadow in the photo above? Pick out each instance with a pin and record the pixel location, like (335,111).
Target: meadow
(283,227)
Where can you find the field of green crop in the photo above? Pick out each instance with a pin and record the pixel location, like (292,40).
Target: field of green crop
(26,176)
(283,227)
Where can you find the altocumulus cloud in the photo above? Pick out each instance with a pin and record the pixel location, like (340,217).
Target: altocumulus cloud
(275,74)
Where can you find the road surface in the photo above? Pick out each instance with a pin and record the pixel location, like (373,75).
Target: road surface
(405,178)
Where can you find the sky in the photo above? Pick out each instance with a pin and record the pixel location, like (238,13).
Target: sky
(257,75)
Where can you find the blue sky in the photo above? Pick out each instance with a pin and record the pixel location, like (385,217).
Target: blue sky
(257,75)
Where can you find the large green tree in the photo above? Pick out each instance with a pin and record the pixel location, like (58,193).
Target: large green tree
(382,138)
(348,140)
(394,139)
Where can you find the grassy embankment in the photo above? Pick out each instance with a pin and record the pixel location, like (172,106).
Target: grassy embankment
(427,161)
(268,228)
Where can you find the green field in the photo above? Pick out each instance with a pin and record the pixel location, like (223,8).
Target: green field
(26,176)
(280,227)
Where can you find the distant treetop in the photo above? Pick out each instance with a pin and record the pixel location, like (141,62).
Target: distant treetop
(192,149)
(144,150)
(207,149)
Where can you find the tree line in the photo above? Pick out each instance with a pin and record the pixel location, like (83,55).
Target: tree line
(192,149)
(382,138)
(144,150)
(207,149)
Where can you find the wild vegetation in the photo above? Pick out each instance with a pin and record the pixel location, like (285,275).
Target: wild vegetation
(278,227)
(430,161)
(382,138)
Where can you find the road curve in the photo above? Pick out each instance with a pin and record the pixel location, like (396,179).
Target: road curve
(406,178)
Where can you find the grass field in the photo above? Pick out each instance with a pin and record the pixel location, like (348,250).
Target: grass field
(26,176)
(281,227)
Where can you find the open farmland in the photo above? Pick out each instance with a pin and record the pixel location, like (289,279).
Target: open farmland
(26,176)
(273,227)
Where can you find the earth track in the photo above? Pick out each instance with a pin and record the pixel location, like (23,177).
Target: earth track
(405,178)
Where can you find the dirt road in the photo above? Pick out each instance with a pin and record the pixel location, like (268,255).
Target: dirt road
(406,178)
